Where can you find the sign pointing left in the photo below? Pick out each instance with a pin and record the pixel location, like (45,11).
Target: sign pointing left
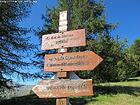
(63,88)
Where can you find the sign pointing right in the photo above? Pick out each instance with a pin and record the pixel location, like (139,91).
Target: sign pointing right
(71,61)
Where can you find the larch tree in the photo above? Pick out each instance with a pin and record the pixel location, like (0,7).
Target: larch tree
(89,14)
(15,44)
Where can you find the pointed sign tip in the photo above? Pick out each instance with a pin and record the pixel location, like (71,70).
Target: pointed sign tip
(67,88)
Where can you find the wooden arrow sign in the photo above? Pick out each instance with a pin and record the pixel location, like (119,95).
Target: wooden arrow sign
(66,39)
(63,88)
(71,61)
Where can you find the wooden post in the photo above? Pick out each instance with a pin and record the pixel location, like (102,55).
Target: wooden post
(62,101)
(63,25)
(62,75)
(61,64)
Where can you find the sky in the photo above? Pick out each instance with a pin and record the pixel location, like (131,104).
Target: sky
(124,13)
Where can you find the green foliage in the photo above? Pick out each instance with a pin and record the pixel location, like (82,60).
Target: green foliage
(89,14)
(14,42)
(113,93)
(135,48)
(129,66)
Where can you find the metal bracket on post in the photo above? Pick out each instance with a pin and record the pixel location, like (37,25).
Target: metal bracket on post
(62,50)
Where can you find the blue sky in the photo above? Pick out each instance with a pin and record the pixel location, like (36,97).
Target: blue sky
(125,13)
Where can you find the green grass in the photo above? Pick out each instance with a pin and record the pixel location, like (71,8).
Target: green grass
(114,93)
(118,99)
(134,82)
(117,93)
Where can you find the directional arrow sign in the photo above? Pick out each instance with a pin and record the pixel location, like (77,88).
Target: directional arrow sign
(66,39)
(71,61)
(63,88)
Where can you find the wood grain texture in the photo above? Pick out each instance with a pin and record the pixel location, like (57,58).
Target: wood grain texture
(71,61)
(62,101)
(65,39)
(63,88)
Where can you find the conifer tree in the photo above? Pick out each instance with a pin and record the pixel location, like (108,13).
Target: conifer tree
(89,14)
(14,42)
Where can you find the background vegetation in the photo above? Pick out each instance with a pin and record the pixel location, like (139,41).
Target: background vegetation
(15,45)
(113,93)
(120,61)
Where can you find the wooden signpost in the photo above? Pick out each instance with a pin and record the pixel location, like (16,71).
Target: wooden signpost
(65,39)
(71,61)
(63,21)
(63,88)
(63,62)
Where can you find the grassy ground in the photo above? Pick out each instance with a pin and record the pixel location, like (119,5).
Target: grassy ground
(118,99)
(134,82)
(117,93)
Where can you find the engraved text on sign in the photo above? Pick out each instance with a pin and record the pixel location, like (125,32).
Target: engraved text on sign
(65,39)
(71,61)
(63,88)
